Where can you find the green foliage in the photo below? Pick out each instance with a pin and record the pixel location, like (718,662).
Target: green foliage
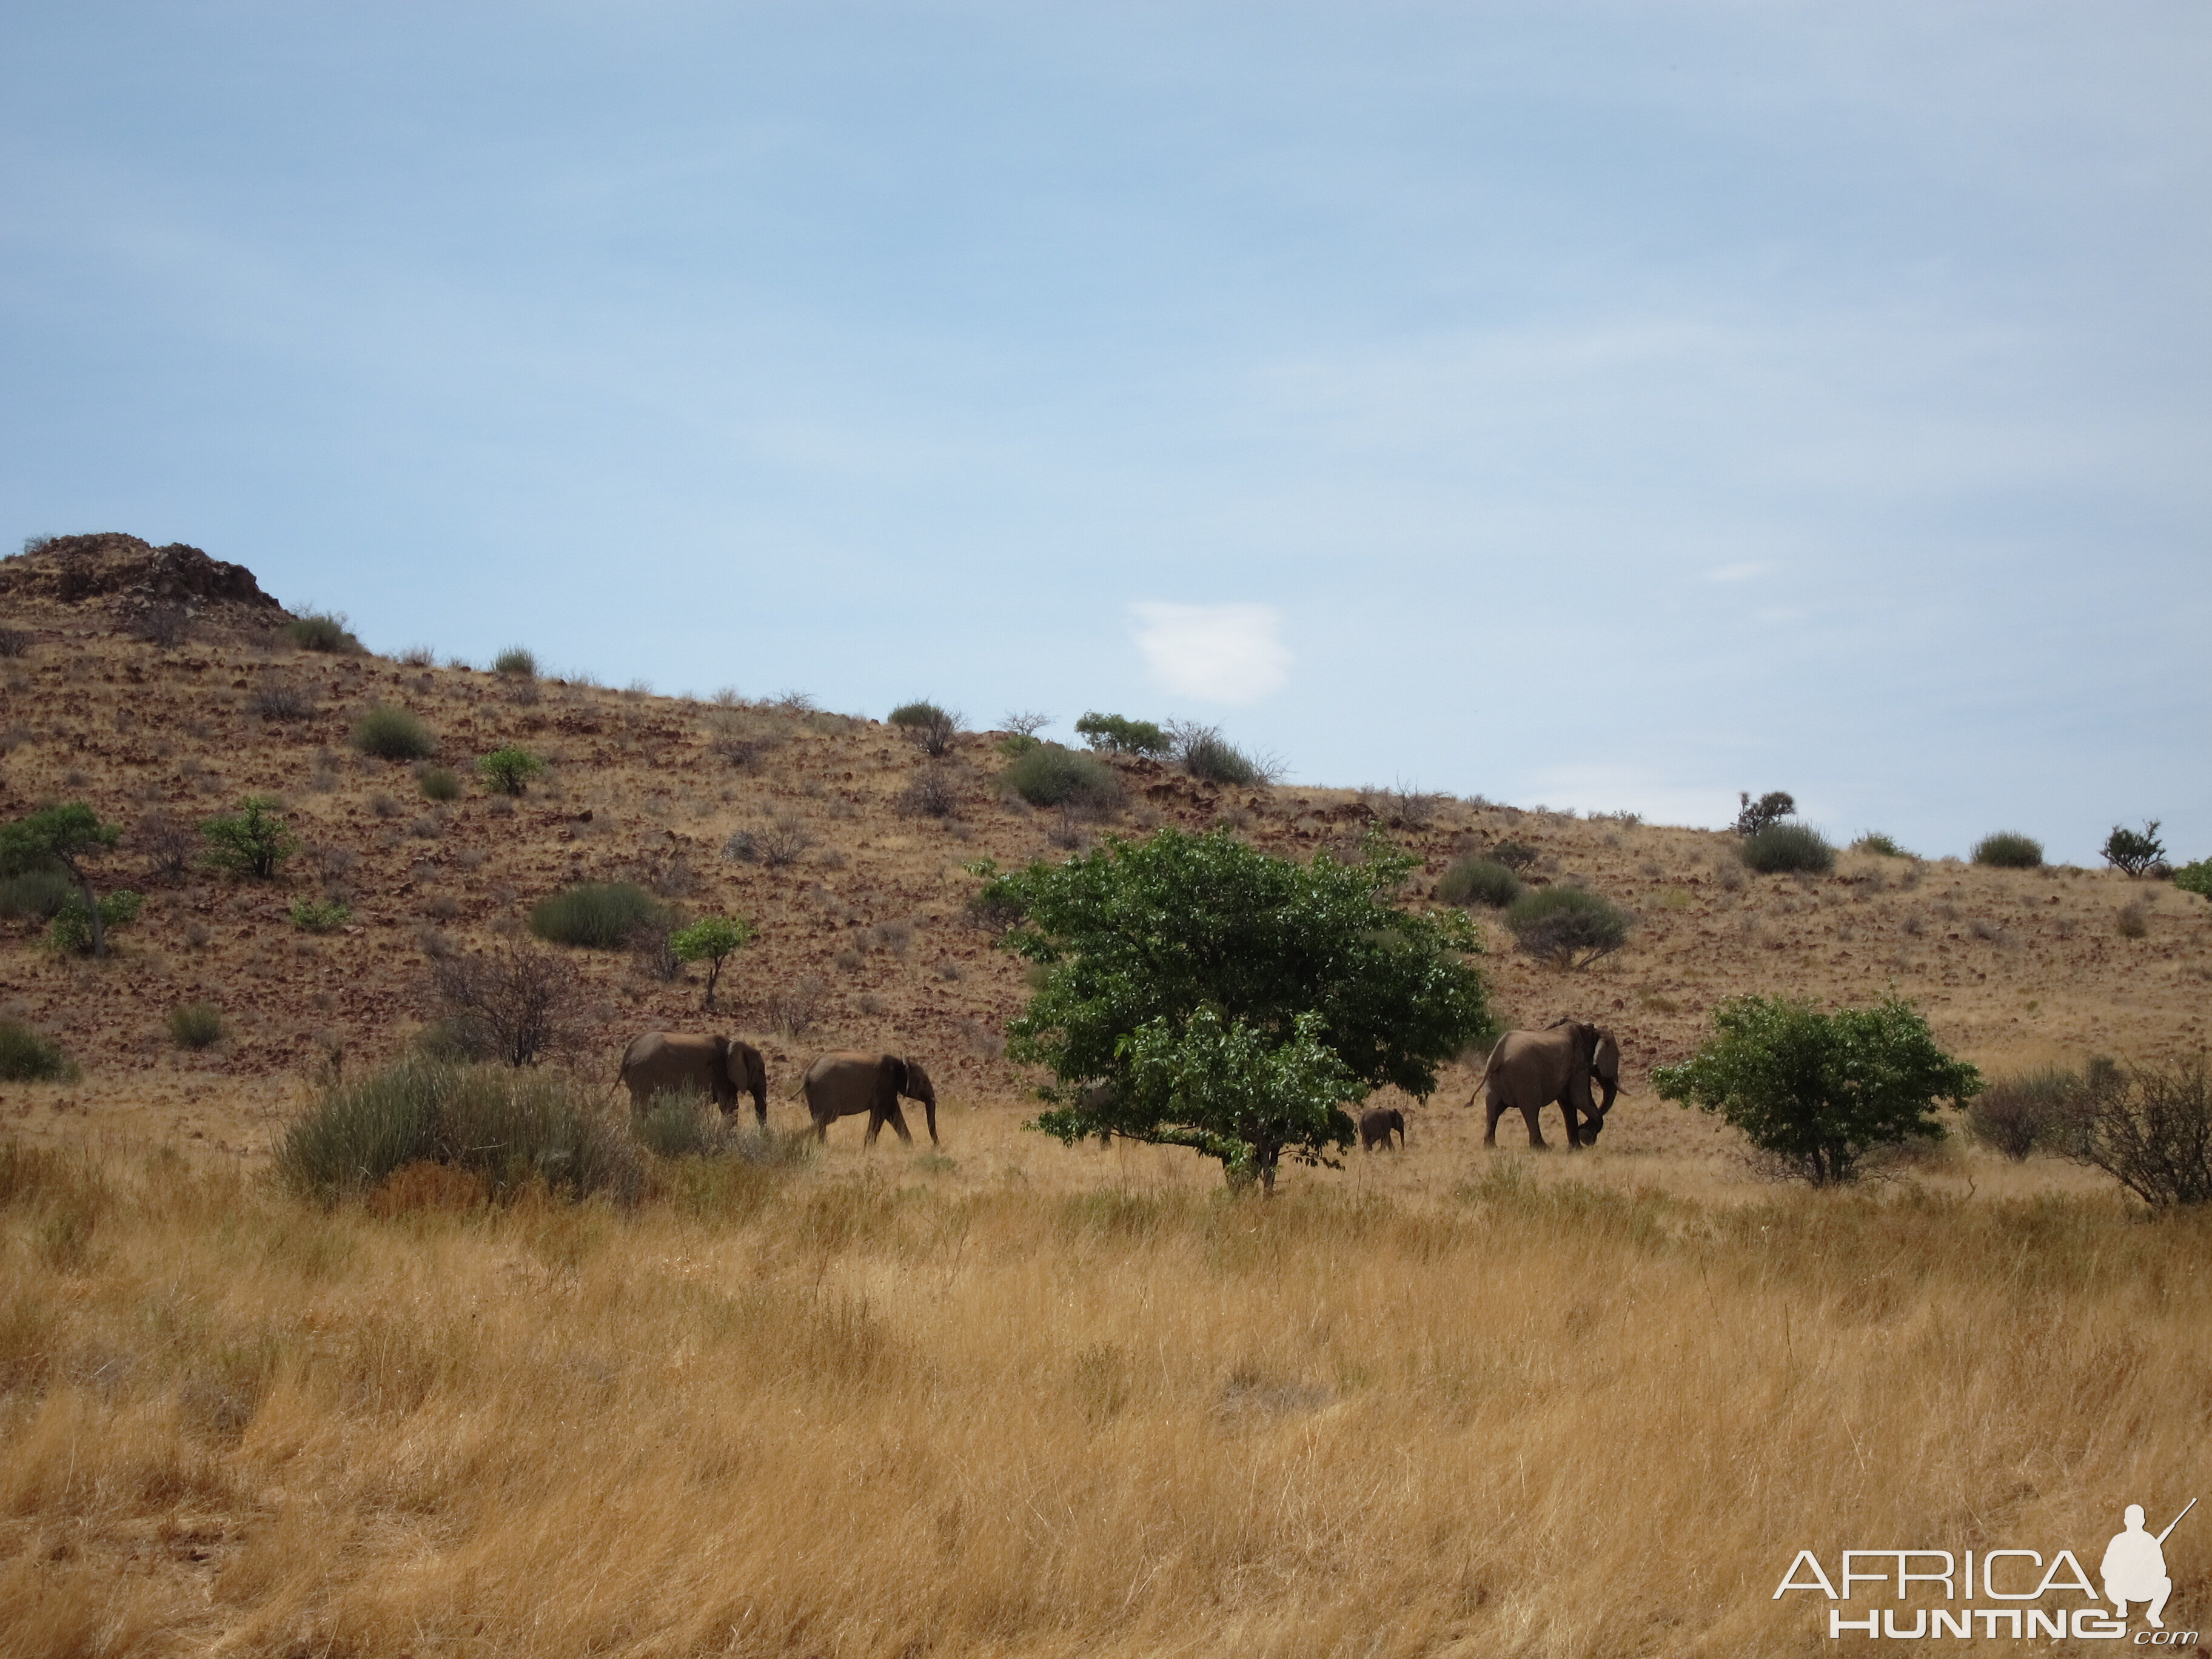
(1018,742)
(710,938)
(2134,851)
(321,631)
(2014,1114)
(56,841)
(2195,879)
(195,1025)
(1050,775)
(680,1123)
(1121,736)
(508,771)
(1137,938)
(518,1129)
(2008,849)
(919,714)
(598,915)
(319,915)
(439,783)
(1787,847)
(1814,1093)
(1880,846)
(72,930)
(516,662)
(1470,881)
(1767,810)
(26,1056)
(35,895)
(393,734)
(253,842)
(1566,926)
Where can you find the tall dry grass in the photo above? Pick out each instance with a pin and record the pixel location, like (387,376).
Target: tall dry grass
(790,1410)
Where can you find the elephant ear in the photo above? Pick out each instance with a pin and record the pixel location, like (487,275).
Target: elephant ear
(895,1069)
(1607,1059)
(1585,1041)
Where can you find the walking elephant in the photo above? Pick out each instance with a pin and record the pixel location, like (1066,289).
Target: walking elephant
(846,1083)
(718,1067)
(1530,1070)
(1375,1124)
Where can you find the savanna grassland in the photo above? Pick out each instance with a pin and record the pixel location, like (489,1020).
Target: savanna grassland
(1002,1396)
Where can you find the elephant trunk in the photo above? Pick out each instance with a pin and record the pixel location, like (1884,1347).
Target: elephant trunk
(1612,1088)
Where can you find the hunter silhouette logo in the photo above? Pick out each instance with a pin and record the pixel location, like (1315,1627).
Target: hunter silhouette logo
(2133,1571)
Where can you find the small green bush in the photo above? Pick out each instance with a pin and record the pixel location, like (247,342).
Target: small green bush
(2014,1114)
(393,734)
(710,939)
(439,783)
(1121,736)
(1566,926)
(1472,881)
(597,916)
(71,928)
(2008,849)
(2132,851)
(1879,846)
(195,1025)
(2195,879)
(319,915)
(1050,775)
(1787,847)
(516,662)
(518,1129)
(508,771)
(1018,742)
(1212,758)
(321,631)
(28,1057)
(251,843)
(918,713)
(35,895)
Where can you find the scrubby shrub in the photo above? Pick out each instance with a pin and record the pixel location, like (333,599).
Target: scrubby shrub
(1514,855)
(1787,847)
(514,1003)
(2131,851)
(781,842)
(1770,809)
(15,642)
(1203,752)
(319,915)
(35,895)
(1479,881)
(2013,1114)
(931,728)
(516,662)
(597,916)
(27,1056)
(2008,849)
(518,1130)
(2149,1127)
(393,734)
(277,697)
(931,795)
(1566,926)
(2195,877)
(2133,920)
(508,771)
(1816,1093)
(251,843)
(1118,735)
(439,783)
(1050,775)
(1879,846)
(195,1025)
(681,1123)
(918,713)
(71,928)
(321,631)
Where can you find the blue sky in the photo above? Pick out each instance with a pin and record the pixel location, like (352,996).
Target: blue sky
(1605,406)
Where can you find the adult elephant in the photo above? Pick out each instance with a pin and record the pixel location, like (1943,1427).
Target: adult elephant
(847,1083)
(1530,1070)
(718,1067)
(1376,1124)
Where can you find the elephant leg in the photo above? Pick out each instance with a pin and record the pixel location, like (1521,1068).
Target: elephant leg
(1535,1129)
(897,1119)
(822,1130)
(875,1128)
(1490,1130)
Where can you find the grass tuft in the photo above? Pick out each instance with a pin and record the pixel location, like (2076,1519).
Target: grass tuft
(195,1025)
(2008,849)
(1788,847)
(1471,881)
(596,915)
(393,734)
(29,1056)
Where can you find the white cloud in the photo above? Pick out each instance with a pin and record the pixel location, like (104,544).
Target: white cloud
(1225,653)
(1738,573)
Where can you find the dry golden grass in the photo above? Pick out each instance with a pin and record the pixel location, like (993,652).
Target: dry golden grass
(884,1406)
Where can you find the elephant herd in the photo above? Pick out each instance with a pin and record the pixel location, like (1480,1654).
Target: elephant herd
(1526,1071)
(841,1085)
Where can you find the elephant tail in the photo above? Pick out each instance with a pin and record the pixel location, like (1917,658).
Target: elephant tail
(1489,1070)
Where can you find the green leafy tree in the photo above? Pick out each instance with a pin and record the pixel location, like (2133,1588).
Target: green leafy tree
(2132,851)
(253,842)
(2195,877)
(1120,735)
(509,770)
(1816,1092)
(319,915)
(711,940)
(62,838)
(1180,973)
(82,930)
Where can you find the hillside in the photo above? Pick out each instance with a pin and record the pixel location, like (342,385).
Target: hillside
(156,685)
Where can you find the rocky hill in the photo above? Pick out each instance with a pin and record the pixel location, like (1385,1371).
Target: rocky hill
(161,686)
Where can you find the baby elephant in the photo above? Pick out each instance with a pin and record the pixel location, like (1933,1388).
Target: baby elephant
(1375,1124)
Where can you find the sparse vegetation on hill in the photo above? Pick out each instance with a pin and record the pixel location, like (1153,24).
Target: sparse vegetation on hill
(516,662)
(253,842)
(438,783)
(2195,877)
(1118,735)
(1203,752)
(1878,845)
(508,771)
(931,728)
(2008,849)
(28,1056)
(195,1025)
(711,940)
(1763,814)
(321,631)
(598,915)
(1049,775)
(391,733)
(1782,847)
(2133,852)
(1567,927)
(1479,881)
(64,841)
(2017,1114)
(74,930)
